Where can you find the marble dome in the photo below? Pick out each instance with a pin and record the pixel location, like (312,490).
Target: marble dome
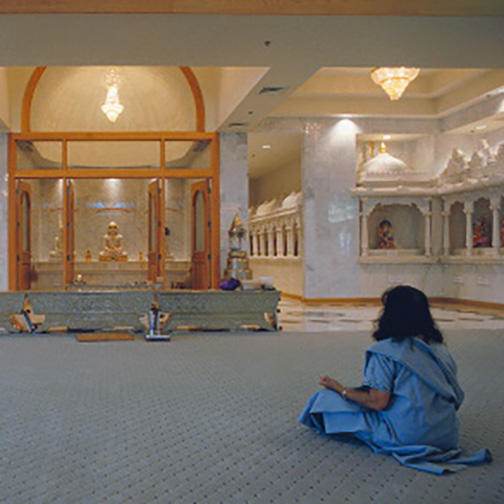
(384,167)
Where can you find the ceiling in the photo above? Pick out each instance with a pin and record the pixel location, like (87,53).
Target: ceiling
(258,7)
(321,61)
(435,93)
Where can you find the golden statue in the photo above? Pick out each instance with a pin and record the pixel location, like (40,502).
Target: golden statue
(112,245)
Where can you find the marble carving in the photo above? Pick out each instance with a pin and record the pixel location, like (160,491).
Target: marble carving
(469,180)
(484,165)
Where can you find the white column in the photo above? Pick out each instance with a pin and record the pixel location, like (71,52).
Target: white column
(280,243)
(254,242)
(468,210)
(446,227)
(271,234)
(290,240)
(299,239)
(262,243)
(428,234)
(446,233)
(234,181)
(495,207)
(364,232)
(427,239)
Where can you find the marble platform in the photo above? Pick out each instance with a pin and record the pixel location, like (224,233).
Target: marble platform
(49,274)
(128,309)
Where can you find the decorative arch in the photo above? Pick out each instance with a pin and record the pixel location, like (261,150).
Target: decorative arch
(192,81)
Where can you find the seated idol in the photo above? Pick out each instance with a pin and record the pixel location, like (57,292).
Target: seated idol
(481,236)
(385,235)
(407,405)
(112,245)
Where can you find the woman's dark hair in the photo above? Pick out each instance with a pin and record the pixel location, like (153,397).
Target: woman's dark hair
(406,314)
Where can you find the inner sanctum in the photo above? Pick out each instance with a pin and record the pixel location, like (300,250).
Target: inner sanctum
(99,207)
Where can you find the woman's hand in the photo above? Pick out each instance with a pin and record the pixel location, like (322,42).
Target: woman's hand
(331,383)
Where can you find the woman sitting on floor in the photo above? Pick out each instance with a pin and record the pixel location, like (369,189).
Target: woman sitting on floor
(407,404)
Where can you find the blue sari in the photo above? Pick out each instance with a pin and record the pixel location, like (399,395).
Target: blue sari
(419,427)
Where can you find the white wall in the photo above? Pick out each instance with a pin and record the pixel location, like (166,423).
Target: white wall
(287,272)
(276,184)
(331,217)
(233,186)
(480,282)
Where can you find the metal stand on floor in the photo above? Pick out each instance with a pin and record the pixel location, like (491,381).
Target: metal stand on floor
(154,333)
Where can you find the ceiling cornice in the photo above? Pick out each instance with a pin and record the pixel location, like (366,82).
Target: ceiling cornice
(259,7)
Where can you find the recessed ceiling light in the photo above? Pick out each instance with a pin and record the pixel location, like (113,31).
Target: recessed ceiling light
(387,137)
(273,89)
(237,124)
(266,146)
(480,127)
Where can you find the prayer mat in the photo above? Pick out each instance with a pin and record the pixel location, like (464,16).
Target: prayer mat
(105,336)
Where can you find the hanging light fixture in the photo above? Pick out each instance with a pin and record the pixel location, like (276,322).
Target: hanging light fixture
(394,81)
(112,107)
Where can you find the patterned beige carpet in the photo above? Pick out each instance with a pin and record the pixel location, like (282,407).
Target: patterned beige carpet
(211,418)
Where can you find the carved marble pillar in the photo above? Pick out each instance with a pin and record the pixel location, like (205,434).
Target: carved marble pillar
(427,238)
(271,242)
(299,235)
(446,227)
(468,210)
(366,210)
(495,207)
(255,243)
(262,243)
(280,241)
(290,240)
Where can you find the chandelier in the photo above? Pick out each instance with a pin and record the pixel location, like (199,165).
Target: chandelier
(112,106)
(394,81)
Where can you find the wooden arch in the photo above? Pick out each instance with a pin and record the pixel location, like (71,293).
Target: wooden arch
(199,104)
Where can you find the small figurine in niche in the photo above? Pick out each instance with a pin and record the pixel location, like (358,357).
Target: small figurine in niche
(481,236)
(88,257)
(57,252)
(385,235)
(112,245)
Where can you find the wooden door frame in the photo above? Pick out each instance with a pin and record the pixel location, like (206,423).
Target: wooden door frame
(212,173)
(68,231)
(22,187)
(159,210)
(206,191)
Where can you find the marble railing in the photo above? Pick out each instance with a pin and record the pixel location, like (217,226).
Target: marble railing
(276,231)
